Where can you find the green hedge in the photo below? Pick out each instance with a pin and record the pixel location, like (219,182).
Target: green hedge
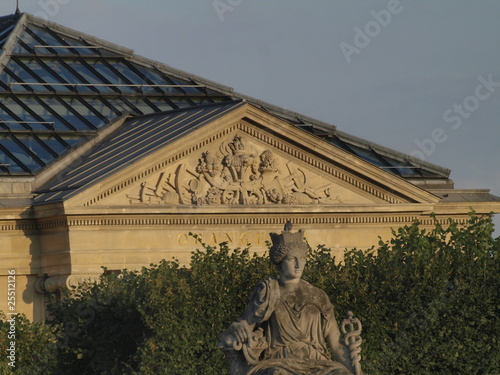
(28,348)
(429,302)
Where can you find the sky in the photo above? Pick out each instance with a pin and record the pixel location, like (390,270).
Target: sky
(420,77)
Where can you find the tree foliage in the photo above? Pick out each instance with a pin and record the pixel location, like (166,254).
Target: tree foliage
(429,302)
(34,345)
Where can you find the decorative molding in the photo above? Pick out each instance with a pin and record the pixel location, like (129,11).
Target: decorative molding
(243,220)
(60,283)
(15,226)
(50,224)
(312,219)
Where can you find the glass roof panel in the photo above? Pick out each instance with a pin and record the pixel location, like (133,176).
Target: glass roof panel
(201,100)
(69,114)
(131,75)
(404,168)
(10,122)
(35,146)
(19,117)
(161,104)
(4,34)
(45,114)
(72,140)
(156,79)
(24,156)
(53,143)
(89,77)
(7,24)
(21,76)
(187,86)
(7,164)
(21,47)
(29,43)
(369,155)
(46,75)
(14,84)
(141,105)
(179,102)
(85,109)
(218,100)
(122,106)
(41,38)
(339,143)
(112,77)
(60,70)
(103,107)
(82,49)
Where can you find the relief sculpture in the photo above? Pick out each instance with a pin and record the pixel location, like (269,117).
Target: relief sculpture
(235,174)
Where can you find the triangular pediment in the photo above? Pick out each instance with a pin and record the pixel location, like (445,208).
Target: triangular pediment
(235,155)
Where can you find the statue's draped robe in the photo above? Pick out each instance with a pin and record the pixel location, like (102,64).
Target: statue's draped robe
(295,325)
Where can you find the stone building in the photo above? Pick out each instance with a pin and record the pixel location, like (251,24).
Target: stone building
(111,159)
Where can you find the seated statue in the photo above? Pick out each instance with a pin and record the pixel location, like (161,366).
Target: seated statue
(289,324)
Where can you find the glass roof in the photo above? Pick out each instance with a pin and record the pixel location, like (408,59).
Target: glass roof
(59,88)
(402,168)
(56,91)
(7,24)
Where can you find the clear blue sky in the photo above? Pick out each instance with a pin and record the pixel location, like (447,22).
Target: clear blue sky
(398,73)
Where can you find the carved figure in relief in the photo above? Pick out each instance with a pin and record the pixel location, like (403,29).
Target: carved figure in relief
(289,324)
(234,174)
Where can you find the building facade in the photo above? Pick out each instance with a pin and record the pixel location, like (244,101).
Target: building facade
(111,159)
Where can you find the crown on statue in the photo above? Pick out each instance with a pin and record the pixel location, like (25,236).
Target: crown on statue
(285,242)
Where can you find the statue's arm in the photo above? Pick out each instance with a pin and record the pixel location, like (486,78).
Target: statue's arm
(241,330)
(339,349)
(261,304)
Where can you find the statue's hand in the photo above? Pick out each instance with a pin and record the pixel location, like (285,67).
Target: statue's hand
(240,330)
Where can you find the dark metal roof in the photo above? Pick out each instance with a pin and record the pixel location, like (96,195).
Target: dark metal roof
(60,88)
(135,139)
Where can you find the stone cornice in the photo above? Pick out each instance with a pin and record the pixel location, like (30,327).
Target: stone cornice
(193,216)
(238,221)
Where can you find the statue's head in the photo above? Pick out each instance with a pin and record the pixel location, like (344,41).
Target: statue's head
(287,243)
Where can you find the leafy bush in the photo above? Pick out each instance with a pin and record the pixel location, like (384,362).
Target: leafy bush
(100,326)
(34,345)
(428,301)
(164,319)
(200,302)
